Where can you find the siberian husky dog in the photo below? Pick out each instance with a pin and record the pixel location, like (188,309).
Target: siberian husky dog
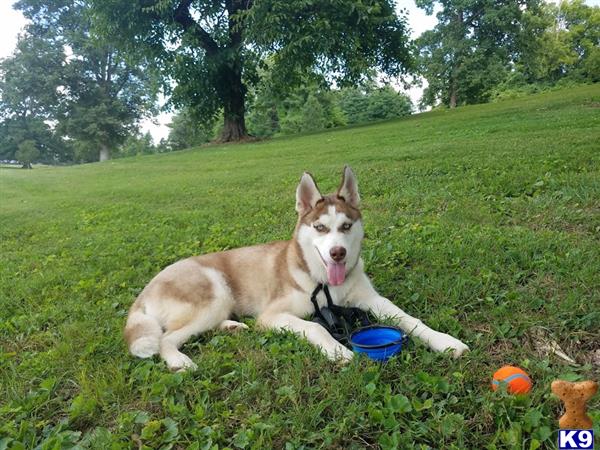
(272,282)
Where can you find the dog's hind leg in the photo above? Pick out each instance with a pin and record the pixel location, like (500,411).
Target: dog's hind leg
(203,320)
(142,333)
(170,343)
(183,300)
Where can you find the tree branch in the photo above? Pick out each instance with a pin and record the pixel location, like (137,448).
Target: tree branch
(235,27)
(124,80)
(235,34)
(182,16)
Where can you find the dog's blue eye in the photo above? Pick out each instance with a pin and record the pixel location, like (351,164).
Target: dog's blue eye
(346,226)
(319,227)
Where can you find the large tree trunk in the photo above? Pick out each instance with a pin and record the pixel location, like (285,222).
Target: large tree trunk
(226,60)
(104,152)
(227,78)
(453,96)
(234,109)
(234,129)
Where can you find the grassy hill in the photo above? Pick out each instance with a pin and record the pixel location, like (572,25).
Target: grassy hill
(483,221)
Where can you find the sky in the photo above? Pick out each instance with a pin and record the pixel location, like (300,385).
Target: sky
(11,23)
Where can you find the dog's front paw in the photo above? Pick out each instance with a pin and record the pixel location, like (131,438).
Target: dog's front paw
(344,355)
(459,348)
(340,354)
(178,362)
(441,342)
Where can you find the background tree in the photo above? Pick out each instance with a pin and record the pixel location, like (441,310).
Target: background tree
(568,50)
(473,47)
(85,87)
(30,98)
(570,46)
(211,50)
(312,115)
(27,153)
(312,107)
(188,131)
(306,106)
(369,103)
(386,103)
(263,116)
(137,144)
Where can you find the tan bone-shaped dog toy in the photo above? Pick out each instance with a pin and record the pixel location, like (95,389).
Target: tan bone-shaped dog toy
(575,397)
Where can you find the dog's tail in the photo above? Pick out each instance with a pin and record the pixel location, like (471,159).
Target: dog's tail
(142,333)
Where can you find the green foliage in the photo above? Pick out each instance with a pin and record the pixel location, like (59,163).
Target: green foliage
(136,145)
(354,103)
(360,106)
(263,118)
(27,153)
(542,46)
(312,107)
(306,111)
(343,41)
(386,103)
(74,104)
(313,115)
(474,46)
(214,51)
(187,131)
(570,46)
(96,121)
(30,78)
(565,54)
(17,129)
(30,99)
(482,221)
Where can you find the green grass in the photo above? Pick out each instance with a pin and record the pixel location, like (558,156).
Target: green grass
(483,221)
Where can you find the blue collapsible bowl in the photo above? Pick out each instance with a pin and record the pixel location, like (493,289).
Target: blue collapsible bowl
(378,342)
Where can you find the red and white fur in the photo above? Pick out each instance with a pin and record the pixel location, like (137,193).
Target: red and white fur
(273,283)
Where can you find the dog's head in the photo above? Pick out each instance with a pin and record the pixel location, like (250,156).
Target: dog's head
(329,228)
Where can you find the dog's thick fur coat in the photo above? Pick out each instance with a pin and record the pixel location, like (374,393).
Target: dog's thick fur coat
(271,282)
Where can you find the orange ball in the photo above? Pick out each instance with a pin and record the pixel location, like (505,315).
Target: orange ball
(517,380)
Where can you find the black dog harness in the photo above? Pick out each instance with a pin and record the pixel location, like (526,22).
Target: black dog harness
(339,321)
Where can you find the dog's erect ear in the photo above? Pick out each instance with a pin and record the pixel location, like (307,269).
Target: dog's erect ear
(307,194)
(348,190)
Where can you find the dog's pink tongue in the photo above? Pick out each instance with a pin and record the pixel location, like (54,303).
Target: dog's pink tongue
(336,273)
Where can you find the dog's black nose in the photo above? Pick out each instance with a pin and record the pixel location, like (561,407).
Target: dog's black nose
(337,253)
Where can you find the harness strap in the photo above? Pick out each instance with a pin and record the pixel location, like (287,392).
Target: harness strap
(344,318)
(328,295)
(313,299)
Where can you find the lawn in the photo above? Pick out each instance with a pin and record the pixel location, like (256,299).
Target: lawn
(483,221)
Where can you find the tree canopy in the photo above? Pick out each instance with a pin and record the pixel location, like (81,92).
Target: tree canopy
(210,52)
(68,89)
(482,48)
(473,46)
(27,153)
(570,46)
(29,98)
